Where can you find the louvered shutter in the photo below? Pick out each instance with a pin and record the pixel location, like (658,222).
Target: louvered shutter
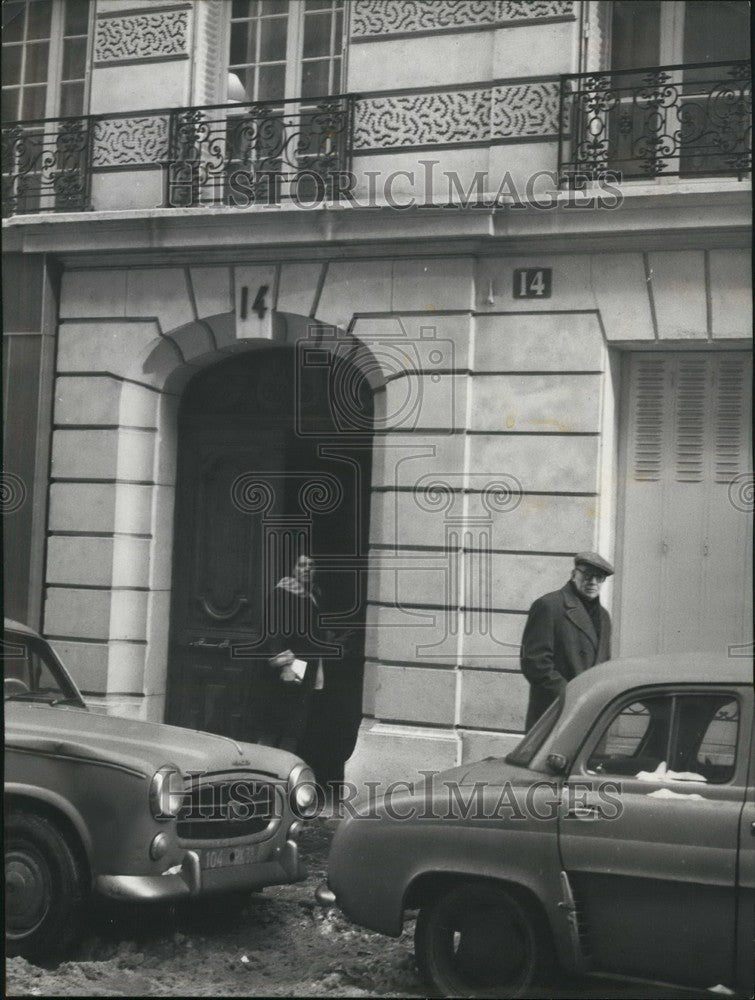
(686,539)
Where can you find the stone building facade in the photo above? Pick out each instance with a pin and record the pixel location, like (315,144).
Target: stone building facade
(556,359)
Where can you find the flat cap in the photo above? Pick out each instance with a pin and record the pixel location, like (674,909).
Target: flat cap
(594,560)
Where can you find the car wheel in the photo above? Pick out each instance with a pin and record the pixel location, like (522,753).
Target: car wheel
(44,887)
(478,940)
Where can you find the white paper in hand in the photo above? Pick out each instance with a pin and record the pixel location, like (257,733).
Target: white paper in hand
(298,667)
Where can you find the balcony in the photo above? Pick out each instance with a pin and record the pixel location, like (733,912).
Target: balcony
(231,154)
(685,121)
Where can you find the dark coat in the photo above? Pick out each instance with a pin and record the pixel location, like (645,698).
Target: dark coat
(281,708)
(559,642)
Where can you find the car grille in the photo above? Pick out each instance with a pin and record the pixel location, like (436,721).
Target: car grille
(236,807)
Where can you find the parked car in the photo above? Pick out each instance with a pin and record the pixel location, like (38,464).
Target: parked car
(617,838)
(129,809)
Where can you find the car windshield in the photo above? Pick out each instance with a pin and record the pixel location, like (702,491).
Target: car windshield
(32,673)
(523,752)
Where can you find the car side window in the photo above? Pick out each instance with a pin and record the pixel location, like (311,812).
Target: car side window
(715,753)
(635,740)
(25,671)
(690,737)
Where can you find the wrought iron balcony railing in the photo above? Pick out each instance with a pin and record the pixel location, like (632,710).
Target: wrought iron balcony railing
(237,154)
(684,120)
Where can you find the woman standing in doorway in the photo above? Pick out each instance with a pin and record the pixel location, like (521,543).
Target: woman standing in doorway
(293,634)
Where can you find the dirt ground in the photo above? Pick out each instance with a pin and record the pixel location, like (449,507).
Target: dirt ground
(282,943)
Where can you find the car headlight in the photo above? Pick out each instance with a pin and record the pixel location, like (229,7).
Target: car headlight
(167,793)
(304,795)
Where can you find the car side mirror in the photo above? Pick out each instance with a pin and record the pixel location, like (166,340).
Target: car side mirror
(557,763)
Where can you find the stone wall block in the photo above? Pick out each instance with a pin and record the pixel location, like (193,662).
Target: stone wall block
(539,523)
(411,578)
(133,508)
(73,613)
(415,460)
(126,349)
(515,580)
(85,294)
(562,403)
(415,694)
(87,400)
(212,290)
(540,463)
(84,454)
(493,700)
(128,615)
(433,285)
(382,752)
(158,622)
(677,280)
(82,507)
(76,560)
(425,401)
(298,288)
(492,639)
(541,343)
(125,674)
(131,565)
(194,340)
(160,293)
(731,293)
(161,557)
(87,662)
(397,518)
(355,287)
(412,636)
(621,291)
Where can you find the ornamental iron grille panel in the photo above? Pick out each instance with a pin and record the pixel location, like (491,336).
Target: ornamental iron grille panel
(232,154)
(684,120)
(259,153)
(45,165)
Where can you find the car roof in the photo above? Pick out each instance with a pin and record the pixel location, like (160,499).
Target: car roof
(13,626)
(616,676)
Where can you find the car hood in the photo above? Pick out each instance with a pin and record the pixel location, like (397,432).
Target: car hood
(141,746)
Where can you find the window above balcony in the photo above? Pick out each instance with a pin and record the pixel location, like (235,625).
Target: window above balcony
(671,98)
(666,32)
(45,57)
(285,49)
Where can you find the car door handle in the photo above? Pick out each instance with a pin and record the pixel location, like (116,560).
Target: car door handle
(582,812)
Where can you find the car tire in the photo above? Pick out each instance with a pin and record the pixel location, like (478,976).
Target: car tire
(479,940)
(44,887)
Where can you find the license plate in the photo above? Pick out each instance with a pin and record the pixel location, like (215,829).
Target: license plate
(229,857)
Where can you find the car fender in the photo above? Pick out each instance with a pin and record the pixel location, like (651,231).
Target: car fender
(52,802)
(414,852)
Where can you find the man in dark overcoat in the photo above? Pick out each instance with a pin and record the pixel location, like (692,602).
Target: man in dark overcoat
(567,631)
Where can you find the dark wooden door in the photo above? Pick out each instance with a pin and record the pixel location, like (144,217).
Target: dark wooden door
(252,486)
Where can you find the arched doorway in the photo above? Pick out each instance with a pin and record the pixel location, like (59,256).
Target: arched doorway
(265,462)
